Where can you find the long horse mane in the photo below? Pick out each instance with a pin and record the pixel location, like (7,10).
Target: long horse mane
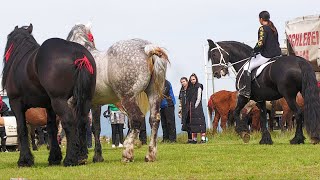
(21,46)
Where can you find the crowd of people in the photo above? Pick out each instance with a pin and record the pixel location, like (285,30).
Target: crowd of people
(190,111)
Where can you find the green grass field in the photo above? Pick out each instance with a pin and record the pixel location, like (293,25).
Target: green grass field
(225,156)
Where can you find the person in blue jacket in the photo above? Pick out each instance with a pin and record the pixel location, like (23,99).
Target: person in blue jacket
(168,122)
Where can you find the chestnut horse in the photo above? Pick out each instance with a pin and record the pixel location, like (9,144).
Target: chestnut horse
(223,104)
(287,113)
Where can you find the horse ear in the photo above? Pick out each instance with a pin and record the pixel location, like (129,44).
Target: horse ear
(211,44)
(89,25)
(30,28)
(15,28)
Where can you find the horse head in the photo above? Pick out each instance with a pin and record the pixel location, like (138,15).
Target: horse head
(15,38)
(81,34)
(219,59)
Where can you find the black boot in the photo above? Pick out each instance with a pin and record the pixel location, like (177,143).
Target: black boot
(245,84)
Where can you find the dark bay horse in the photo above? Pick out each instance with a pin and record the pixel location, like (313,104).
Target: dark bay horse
(287,76)
(59,76)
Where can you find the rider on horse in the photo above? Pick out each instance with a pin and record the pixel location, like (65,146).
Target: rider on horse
(266,48)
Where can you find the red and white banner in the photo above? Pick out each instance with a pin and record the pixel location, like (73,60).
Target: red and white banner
(303,35)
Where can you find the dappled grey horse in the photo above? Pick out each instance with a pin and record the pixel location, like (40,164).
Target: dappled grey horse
(127,72)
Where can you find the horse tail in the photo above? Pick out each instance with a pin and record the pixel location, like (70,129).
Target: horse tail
(310,94)
(210,107)
(157,60)
(85,80)
(143,102)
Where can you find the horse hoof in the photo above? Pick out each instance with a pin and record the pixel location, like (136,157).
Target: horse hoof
(245,137)
(315,140)
(296,140)
(98,159)
(69,162)
(54,163)
(127,160)
(149,158)
(82,161)
(25,163)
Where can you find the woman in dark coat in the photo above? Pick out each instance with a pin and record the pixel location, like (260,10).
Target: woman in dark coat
(196,118)
(183,111)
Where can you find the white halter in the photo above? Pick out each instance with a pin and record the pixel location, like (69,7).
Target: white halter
(222,60)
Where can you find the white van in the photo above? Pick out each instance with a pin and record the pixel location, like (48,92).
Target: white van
(10,124)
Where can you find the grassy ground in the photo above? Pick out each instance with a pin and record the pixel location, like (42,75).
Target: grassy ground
(223,157)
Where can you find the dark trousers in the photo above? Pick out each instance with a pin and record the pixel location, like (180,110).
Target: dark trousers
(168,124)
(89,136)
(117,129)
(143,133)
(3,137)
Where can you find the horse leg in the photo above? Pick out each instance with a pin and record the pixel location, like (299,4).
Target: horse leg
(55,155)
(266,137)
(96,128)
(83,142)
(223,123)
(32,132)
(284,120)
(290,121)
(216,120)
(241,127)
(154,119)
(69,124)
(299,137)
(26,158)
(135,117)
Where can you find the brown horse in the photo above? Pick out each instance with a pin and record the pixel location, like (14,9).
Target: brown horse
(36,117)
(287,116)
(223,104)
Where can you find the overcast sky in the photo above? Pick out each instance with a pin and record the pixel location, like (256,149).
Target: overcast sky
(182,27)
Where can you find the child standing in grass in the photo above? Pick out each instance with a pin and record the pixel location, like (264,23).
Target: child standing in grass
(117,119)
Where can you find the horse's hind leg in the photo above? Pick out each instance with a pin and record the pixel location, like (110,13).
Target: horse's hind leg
(241,127)
(26,158)
(135,117)
(83,141)
(55,156)
(154,120)
(69,124)
(96,128)
(299,137)
(216,120)
(266,137)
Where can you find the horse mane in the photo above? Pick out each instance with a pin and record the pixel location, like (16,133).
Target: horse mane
(238,46)
(21,46)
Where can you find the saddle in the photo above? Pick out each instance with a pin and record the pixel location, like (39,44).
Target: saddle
(257,71)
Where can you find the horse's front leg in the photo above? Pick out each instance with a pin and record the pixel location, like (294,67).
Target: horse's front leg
(96,129)
(266,137)
(154,120)
(241,127)
(135,117)
(26,158)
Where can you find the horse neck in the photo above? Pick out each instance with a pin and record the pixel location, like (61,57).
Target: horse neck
(237,52)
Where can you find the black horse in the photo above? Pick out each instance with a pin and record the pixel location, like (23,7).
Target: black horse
(287,76)
(59,76)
